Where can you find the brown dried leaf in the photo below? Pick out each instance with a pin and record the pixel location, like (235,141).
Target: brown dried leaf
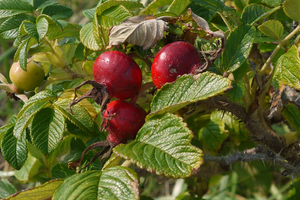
(276,105)
(202,23)
(142,30)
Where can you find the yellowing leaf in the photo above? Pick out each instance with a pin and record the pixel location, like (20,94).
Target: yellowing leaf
(40,192)
(85,103)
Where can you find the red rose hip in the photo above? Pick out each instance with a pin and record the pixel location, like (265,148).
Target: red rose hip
(119,73)
(173,60)
(123,120)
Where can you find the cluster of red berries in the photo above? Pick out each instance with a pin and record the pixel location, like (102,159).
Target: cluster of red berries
(117,76)
(122,78)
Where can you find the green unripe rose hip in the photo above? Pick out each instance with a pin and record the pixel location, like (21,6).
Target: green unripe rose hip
(26,80)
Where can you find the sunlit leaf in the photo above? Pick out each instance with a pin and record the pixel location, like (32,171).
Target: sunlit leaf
(10,8)
(274,29)
(163,146)
(186,90)
(287,70)
(80,118)
(238,47)
(31,107)
(9,28)
(116,183)
(43,191)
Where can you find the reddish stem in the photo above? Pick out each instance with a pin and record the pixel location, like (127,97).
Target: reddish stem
(141,90)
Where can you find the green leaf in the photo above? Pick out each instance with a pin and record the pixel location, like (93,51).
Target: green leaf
(113,16)
(77,147)
(31,29)
(9,28)
(71,30)
(129,5)
(186,90)
(238,47)
(237,92)
(215,5)
(58,12)
(240,4)
(203,12)
(287,70)
(241,71)
(29,169)
(154,5)
(9,8)
(292,9)
(30,108)
(274,29)
(4,128)
(14,151)
(40,4)
(80,118)
(273,3)
(254,12)
(63,147)
(39,192)
(47,130)
(89,13)
(213,134)
(233,125)
(22,51)
(163,146)
(116,183)
(61,170)
(100,31)
(292,114)
(178,6)
(6,188)
(42,26)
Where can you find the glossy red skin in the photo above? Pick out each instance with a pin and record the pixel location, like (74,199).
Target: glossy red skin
(173,60)
(119,73)
(126,120)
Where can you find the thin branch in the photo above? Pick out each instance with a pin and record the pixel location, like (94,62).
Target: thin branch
(254,154)
(266,137)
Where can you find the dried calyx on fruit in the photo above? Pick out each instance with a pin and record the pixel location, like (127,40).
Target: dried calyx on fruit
(116,75)
(173,60)
(122,121)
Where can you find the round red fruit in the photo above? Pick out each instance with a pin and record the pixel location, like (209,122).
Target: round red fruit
(119,73)
(173,60)
(123,120)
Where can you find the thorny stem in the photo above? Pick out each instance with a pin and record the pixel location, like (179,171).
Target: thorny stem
(225,21)
(252,155)
(282,42)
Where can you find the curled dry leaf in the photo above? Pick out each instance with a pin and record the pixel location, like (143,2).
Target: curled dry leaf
(202,23)
(142,30)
